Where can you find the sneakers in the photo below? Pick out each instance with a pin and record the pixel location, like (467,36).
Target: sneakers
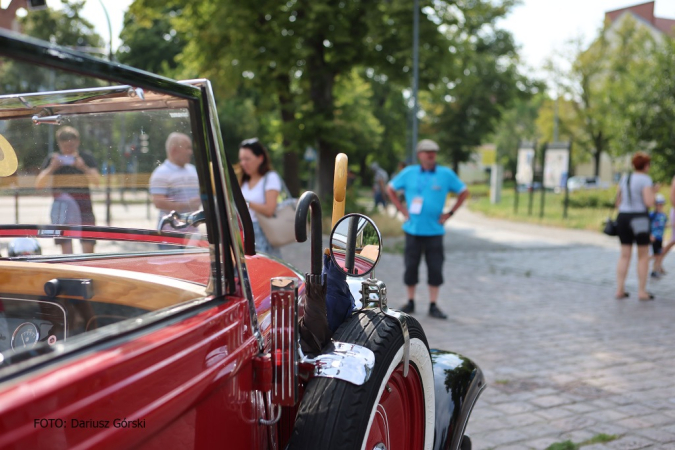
(435,312)
(656,275)
(409,308)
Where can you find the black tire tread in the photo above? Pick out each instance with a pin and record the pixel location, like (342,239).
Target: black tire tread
(333,413)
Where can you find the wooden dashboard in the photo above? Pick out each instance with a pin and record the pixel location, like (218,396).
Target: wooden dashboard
(145,291)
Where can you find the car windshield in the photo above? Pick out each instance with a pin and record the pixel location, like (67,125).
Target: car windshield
(102,218)
(78,173)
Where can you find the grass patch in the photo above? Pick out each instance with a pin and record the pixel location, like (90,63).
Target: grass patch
(587,210)
(587,215)
(597,439)
(600,438)
(565,445)
(479,190)
(502,382)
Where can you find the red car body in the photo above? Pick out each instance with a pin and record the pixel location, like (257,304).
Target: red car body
(174,385)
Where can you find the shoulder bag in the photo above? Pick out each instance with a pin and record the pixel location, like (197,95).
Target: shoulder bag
(279,229)
(610,228)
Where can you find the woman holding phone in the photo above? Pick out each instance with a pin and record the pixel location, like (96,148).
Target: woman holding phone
(62,171)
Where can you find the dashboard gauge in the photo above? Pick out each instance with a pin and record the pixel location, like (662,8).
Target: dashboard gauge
(26,335)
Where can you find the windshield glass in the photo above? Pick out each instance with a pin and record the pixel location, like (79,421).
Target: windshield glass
(77,174)
(103,216)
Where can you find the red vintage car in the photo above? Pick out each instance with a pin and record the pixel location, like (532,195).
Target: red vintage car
(124,324)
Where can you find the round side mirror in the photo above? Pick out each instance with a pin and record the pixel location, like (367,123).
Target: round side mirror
(355,245)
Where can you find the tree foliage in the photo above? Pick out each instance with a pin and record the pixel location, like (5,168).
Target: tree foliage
(479,79)
(65,27)
(641,92)
(659,114)
(621,88)
(518,123)
(585,86)
(334,73)
(151,45)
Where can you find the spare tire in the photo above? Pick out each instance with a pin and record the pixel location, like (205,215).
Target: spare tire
(389,409)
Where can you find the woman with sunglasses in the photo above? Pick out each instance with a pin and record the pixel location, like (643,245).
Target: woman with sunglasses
(261,186)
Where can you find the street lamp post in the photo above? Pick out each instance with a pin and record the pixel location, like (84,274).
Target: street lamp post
(416,69)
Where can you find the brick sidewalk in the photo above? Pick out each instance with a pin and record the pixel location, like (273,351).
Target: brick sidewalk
(564,360)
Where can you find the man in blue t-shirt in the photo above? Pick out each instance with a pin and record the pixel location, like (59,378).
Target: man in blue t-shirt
(426,188)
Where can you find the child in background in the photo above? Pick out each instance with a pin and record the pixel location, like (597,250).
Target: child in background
(658,220)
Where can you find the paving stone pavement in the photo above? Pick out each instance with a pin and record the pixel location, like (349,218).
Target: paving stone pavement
(564,360)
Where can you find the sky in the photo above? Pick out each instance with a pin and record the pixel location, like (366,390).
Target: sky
(540,27)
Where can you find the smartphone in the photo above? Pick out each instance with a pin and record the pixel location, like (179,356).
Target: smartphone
(67,160)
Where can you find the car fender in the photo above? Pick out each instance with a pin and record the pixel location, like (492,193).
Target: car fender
(458,383)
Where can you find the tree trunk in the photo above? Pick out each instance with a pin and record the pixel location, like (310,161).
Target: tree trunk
(291,176)
(596,157)
(455,159)
(599,146)
(321,81)
(327,156)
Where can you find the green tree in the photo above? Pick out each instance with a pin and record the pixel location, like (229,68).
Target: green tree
(518,123)
(480,79)
(647,105)
(390,108)
(629,66)
(151,45)
(65,27)
(296,55)
(585,84)
(606,84)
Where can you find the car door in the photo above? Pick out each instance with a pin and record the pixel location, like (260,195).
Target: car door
(147,341)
